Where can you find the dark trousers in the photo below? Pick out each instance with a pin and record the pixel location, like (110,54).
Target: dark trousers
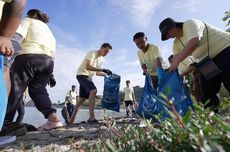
(70,108)
(211,88)
(32,71)
(21,112)
(154,81)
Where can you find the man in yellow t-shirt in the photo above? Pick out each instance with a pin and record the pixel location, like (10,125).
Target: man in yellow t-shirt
(193,37)
(149,56)
(90,66)
(129,98)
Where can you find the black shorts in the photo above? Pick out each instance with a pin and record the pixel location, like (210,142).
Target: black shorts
(86,85)
(128,102)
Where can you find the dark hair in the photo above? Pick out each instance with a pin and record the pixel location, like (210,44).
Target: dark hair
(127,81)
(37,14)
(170,57)
(179,25)
(73,86)
(104,45)
(138,35)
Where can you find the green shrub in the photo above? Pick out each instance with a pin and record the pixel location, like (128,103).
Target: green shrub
(204,131)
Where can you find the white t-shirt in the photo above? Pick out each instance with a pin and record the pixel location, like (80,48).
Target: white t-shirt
(128,93)
(72,97)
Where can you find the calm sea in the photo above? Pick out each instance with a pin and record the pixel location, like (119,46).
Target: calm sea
(33,116)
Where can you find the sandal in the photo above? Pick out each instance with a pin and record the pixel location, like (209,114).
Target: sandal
(50,125)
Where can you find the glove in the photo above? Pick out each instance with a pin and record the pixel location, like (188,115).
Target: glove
(107,71)
(52,81)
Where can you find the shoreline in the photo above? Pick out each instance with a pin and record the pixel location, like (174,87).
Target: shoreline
(67,138)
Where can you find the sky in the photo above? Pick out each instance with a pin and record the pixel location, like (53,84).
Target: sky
(83,25)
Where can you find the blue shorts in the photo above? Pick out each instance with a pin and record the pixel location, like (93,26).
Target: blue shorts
(86,85)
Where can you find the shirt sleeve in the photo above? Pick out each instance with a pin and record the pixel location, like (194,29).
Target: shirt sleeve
(23,27)
(90,56)
(140,57)
(132,90)
(193,28)
(184,65)
(157,52)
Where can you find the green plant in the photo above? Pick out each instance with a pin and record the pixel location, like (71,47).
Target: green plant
(203,131)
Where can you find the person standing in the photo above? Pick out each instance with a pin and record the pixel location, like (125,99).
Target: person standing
(33,67)
(10,13)
(129,98)
(200,40)
(71,100)
(90,66)
(149,56)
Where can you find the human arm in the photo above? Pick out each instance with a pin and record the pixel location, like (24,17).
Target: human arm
(99,71)
(188,49)
(11,18)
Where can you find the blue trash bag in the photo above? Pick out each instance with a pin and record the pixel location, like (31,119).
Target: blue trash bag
(111,98)
(147,104)
(3,93)
(171,86)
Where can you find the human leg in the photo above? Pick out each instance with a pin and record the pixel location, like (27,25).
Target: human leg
(76,109)
(21,111)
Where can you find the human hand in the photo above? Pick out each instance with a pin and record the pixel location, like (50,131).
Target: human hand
(6,47)
(107,71)
(52,81)
(175,63)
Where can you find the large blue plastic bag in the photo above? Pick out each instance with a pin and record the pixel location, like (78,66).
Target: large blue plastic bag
(3,93)
(171,86)
(111,98)
(147,105)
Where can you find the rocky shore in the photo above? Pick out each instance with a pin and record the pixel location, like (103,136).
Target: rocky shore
(68,138)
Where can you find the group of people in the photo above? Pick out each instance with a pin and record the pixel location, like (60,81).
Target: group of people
(33,65)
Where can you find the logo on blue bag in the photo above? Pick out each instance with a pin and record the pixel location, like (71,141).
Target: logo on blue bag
(148,104)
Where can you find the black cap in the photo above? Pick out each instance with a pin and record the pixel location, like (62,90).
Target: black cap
(166,25)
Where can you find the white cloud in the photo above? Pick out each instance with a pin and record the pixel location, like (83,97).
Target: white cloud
(66,63)
(140,12)
(190,5)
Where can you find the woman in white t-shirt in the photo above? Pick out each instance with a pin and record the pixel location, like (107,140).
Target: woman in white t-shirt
(33,67)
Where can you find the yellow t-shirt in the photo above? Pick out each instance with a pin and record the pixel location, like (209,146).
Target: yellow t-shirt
(184,65)
(218,39)
(96,61)
(128,93)
(149,58)
(72,96)
(38,39)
